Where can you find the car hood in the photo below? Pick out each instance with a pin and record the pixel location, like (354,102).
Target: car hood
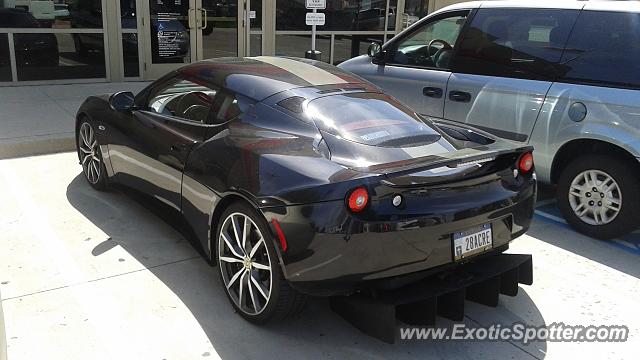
(355,63)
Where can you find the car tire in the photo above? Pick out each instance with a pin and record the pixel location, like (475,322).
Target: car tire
(90,156)
(276,299)
(599,196)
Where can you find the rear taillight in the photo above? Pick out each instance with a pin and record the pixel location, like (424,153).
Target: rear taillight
(283,240)
(525,163)
(358,199)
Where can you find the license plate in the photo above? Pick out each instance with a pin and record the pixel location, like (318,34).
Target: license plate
(472,241)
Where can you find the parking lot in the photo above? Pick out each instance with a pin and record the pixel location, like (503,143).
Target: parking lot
(88,275)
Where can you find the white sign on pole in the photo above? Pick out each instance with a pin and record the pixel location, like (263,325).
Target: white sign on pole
(316,4)
(314,19)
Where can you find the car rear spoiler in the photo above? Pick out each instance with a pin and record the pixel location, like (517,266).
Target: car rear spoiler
(452,159)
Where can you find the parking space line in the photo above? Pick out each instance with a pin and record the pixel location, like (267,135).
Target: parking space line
(617,243)
(551,217)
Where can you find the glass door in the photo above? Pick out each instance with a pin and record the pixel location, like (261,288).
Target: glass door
(252,29)
(170,31)
(179,32)
(218,33)
(230,28)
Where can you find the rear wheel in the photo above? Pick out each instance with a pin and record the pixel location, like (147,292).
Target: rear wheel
(600,196)
(91,157)
(249,268)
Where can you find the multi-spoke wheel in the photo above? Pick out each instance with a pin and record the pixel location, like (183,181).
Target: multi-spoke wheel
(90,156)
(249,267)
(595,197)
(590,195)
(245,264)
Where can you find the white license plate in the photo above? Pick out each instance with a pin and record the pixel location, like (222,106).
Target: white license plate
(472,241)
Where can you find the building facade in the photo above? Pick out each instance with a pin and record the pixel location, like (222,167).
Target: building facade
(66,41)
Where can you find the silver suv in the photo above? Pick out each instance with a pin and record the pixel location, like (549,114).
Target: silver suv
(563,77)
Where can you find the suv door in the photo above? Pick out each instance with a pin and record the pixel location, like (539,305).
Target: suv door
(504,66)
(150,147)
(415,67)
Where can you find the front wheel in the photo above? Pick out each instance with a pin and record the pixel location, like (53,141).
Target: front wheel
(249,268)
(600,196)
(91,157)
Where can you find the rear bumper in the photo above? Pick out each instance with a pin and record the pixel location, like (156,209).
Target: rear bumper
(331,252)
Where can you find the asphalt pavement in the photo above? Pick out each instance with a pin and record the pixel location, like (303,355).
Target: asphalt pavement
(89,275)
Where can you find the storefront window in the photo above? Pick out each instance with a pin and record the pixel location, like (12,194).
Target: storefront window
(58,14)
(255,43)
(296,45)
(59,56)
(5,61)
(130,55)
(347,46)
(128,14)
(340,15)
(414,10)
(220,36)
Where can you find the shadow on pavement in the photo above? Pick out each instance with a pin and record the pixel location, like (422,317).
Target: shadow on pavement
(606,252)
(317,332)
(562,236)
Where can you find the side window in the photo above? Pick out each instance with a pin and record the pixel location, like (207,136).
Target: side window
(183,99)
(516,43)
(228,105)
(604,48)
(431,45)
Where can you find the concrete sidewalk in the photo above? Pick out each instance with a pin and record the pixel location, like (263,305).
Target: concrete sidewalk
(38,119)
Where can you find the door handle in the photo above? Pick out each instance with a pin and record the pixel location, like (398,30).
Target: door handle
(190,19)
(433,92)
(204,17)
(459,96)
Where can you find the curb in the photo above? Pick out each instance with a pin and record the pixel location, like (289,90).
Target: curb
(37,145)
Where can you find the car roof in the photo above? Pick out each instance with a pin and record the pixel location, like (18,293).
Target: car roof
(262,76)
(627,6)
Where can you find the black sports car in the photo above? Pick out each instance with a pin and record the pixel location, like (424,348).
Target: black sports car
(299,178)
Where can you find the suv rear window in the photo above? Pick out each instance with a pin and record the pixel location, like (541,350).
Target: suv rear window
(604,48)
(371,119)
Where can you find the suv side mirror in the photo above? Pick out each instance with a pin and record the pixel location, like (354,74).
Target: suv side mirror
(122,101)
(375,51)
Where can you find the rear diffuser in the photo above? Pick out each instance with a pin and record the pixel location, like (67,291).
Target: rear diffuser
(443,294)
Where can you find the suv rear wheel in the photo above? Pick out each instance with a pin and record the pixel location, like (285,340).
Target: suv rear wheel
(600,196)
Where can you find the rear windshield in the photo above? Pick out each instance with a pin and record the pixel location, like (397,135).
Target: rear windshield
(371,119)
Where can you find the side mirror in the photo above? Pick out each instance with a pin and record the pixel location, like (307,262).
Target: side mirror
(376,53)
(374,50)
(122,101)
